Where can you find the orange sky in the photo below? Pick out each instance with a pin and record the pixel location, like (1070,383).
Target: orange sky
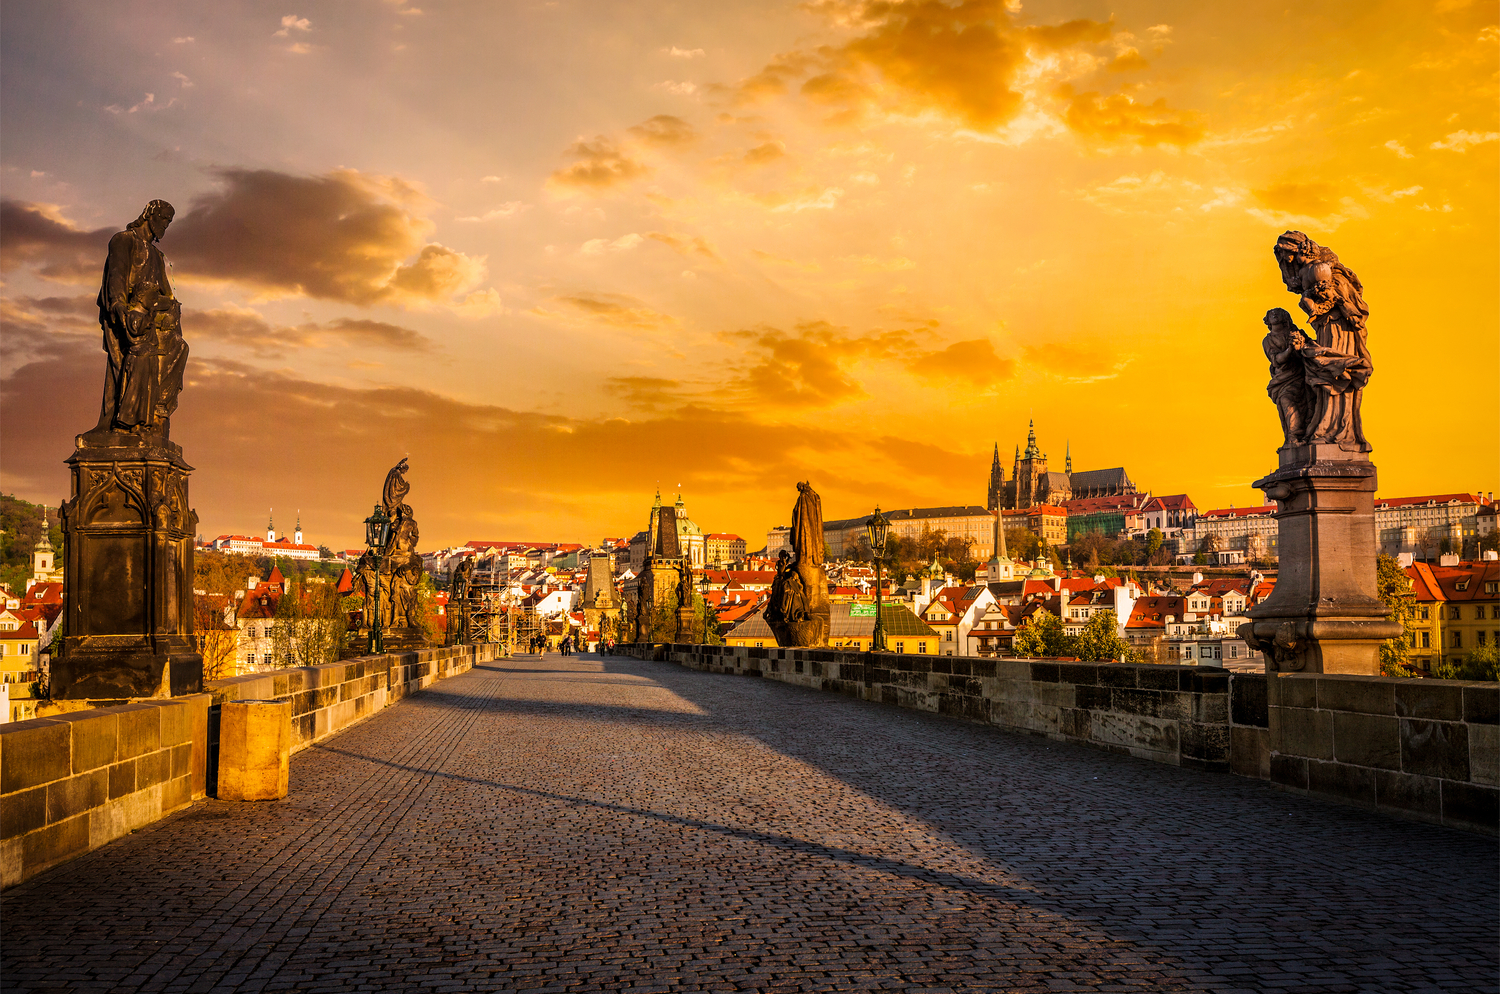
(560,253)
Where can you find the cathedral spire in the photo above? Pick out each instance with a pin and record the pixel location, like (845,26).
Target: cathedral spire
(1068,464)
(1031,450)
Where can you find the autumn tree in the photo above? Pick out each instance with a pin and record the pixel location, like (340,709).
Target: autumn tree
(1394,588)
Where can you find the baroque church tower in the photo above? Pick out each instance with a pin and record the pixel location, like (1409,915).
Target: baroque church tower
(997,483)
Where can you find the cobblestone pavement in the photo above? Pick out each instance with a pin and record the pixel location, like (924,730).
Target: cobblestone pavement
(578,824)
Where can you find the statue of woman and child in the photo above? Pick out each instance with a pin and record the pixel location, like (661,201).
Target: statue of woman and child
(1317,381)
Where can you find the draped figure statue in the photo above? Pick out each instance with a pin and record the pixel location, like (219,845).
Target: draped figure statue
(142,325)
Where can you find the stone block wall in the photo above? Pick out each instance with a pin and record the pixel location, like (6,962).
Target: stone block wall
(73,782)
(1169,714)
(333,696)
(1426,749)
(76,781)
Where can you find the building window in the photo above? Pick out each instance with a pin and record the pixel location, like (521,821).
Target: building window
(1425,613)
(1479,613)
(26,649)
(760,645)
(950,635)
(1453,613)
(1458,640)
(1479,637)
(1427,640)
(1205,652)
(922,647)
(900,646)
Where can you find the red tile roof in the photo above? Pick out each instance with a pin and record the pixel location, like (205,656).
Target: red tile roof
(1430,499)
(1238,512)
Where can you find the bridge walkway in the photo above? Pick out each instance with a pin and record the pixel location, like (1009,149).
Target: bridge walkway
(581,824)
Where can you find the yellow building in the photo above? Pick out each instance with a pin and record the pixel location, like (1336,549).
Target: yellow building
(851,626)
(18,667)
(1047,520)
(1457,611)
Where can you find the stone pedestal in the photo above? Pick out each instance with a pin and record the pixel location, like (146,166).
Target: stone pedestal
(255,748)
(1325,614)
(687,625)
(128,586)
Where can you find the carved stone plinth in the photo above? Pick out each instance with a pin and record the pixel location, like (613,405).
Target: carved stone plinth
(1324,615)
(128,586)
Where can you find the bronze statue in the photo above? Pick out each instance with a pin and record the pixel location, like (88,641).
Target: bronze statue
(1337,366)
(142,324)
(797,611)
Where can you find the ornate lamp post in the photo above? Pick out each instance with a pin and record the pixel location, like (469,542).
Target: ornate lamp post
(709,615)
(377,535)
(877,528)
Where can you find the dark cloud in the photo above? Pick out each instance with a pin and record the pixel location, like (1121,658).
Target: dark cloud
(37,235)
(244,328)
(646,392)
(343,236)
(765,152)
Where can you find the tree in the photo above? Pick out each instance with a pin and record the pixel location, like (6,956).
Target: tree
(1154,539)
(1041,636)
(1100,641)
(1490,542)
(706,620)
(1394,588)
(1022,543)
(1482,663)
(218,641)
(309,626)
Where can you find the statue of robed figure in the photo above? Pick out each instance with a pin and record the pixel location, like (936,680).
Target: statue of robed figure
(142,325)
(797,612)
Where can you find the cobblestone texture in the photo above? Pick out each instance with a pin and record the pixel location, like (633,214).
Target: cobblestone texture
(583,824)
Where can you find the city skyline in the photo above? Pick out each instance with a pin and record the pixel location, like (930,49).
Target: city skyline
(560,256)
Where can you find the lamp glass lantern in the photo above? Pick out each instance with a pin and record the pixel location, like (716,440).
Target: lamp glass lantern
(877,529)
(377,530)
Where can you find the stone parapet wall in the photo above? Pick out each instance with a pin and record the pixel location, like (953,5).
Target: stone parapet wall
(332,696)
(76,781)
(1427,749)
(73,782)
(1168,714)
(1424,749)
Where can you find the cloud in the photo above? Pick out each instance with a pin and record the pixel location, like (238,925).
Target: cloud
(186,40)
(973,362)
(683,245)
(665,130)
(1462,141)
(682,89)
(345,236)
(618,310)
(1119,118)
(684,53)
(290,23)
(38,235)
(182,80)
(973,63)
(1129,60)
(646,392)
(1306,199)
(508,209)
(765,152)
(1399,149)
(734,464)
(1074,362)
(808,367)
(600,164)
(780,260)
(599,246)
(823,200)
(245,328)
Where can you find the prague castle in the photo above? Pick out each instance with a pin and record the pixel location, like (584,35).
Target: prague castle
(1031,483)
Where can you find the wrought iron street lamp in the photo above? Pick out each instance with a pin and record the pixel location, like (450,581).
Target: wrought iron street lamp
(877,528)
(377,535)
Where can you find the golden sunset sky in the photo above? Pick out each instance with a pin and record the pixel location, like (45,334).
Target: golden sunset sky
(559,253)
